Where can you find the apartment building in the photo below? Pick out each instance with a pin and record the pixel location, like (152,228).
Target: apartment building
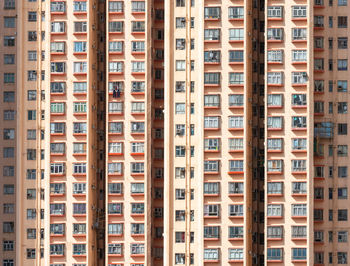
(174,132)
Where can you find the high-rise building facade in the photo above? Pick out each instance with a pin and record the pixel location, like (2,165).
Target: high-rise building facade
(174,132)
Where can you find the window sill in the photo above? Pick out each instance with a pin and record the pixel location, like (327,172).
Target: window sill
(236,85)
(235,238)
(275,63)
(211,261)
(211,173)
(115,255)
(235,172)
(80,13)
(299,41)
(275,107)
(115,73)
(274,239)
(79,255)
(79,174)
(319,114)
(79,134)
(212,151)
(57,215)
(211,217)
(211,41)
(137,194)
(79,215)
(137,153)
(56,235)
(57,94)
(274,217)
(137,134)
(299,63)
(299,106)
(115,214)
(57,154)
(58,33)
(319,28)
(135,113)
(212,195)
(79,154)
(299,129)
(79,93)
(57,53)
(115,194)
(80,114)
(274,19)
(137,255)
(57,256)
(115,32)
(299,84)
(57,194)
(58,13)
(115,134)
(116,12)
(138,32)
(115,153)
(235,151)
(211,85)
(138,235)
(275,195)
(235,261)
(236,129)
(115,174)
(274,85)
(79,194)
(79,33)
(274,260)
(212,19)
(138,12)
(211,239)
(138,73)
(275,173)
(274,151)
(58,74)
(57,114)
(236,41)
(137,53)
(299,217)
(236,19)
(79,235)
(235,194)
(299,173)
(80,53)
(236,217)
(116,53)
(299,238)
(299,19)
(318,70)
(299,261)
(60,174)
(115,235)
(298,194)
(319,6)
(274,41)
(212,63)
(318,49)
(137,174)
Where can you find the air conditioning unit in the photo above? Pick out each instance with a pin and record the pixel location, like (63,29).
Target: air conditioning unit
(179,132)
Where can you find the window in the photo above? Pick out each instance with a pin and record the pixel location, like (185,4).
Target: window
(115,67)
(275,78)
(115,107)
(8,245)
(274,188)
(342,64)
(212,35)
(212,100)
(79,107)
(79,128)
(211,232)
(274,210)
(8,227)
(137,229)
(299,34)
(212,56)
(9,4)
(342,150)
(342,43)
(298,122)
(115,127)
(342,21)
(212,78)
(299,210)
(57,188)
(79,249)
(299,11)
(138,26)
(211,210)
(115,249)
(342,237)
(211,144)
(235,210)
(137,127)
(9,59)
(274,56)
(80,27)
(298,253)
(275,11)
(9,78)
(137,168)
(274,254)
(236,34)
(116,26)
(58,7)
(137,188)
(80,47)
(57,208)
(115,229)
(79,188)
(9,189)
(275,122)
(114,6)
(275,34)
(9,41)
(342,215)
(115,208)
(57,249)
(211,254)
(138,86)
(275,100)
(9,115)
(79,229)
(212,12)
(342,257)
(9,152)
(138,6)
(58,67)
(235,254)
(274,232)
(116,46)
(79,168)
(235,122)
(138,67)
(79,6)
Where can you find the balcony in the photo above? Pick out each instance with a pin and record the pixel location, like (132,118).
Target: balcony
(324,130)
